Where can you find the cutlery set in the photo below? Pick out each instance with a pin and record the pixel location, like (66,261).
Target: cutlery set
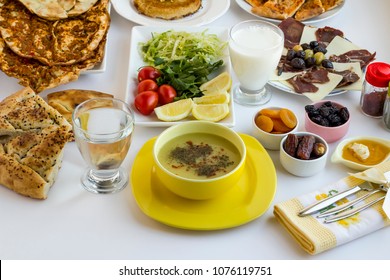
(344,210)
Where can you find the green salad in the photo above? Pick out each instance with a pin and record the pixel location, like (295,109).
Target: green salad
(184,59)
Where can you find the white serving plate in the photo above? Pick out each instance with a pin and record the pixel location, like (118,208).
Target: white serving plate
(143,34)
(210,11)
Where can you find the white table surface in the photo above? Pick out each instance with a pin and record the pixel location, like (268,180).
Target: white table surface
(75,224)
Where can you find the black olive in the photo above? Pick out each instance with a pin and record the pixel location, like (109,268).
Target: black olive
(326,63)
(290,54)
(320,49)
(298,63)
(305,46)
(301,54)
(313,44)
(310,61)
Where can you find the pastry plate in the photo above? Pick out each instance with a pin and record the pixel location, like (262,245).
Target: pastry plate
(325,16)
(210,11)
(285,88)
(246,201)
(143,34)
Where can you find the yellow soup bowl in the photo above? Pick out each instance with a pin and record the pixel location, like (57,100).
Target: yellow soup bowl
(179,168)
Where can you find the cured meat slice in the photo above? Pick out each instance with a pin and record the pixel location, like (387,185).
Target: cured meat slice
(349,77)
(326,34)
(304,82)
(316,75)
(292,30)
(362,56)
(301,86)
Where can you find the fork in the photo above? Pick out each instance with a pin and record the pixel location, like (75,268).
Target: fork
(348,213)
(351,203)
(351,212)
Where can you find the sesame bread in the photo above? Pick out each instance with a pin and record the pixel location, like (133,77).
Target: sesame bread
(33,137)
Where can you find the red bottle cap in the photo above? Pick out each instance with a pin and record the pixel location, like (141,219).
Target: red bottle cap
(378,74)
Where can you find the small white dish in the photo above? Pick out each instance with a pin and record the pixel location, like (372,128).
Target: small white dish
(270,141)
(338,158)
(300,167)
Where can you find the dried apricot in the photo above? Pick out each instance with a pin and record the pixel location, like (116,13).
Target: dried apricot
(279,126)
(288,118)
(264,123)
(272,113)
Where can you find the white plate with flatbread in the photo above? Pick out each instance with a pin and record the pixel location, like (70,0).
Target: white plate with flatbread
(325,16)
(210,11)
(143,34)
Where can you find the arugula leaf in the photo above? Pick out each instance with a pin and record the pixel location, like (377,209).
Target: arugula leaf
(184,59)
(186,76)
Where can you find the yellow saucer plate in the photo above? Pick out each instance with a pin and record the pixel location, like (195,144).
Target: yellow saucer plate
(246,201)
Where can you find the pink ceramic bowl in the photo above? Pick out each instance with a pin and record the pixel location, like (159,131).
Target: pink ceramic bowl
(329,133)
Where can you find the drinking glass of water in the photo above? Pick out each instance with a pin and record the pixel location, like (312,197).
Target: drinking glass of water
(255,48)
(103,129)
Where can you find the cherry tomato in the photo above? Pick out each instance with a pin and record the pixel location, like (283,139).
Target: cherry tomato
(166,94)
(148,72)
(146,101)
(146,85)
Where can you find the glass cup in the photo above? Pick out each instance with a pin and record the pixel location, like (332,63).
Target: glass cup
(255,48)
(103,129)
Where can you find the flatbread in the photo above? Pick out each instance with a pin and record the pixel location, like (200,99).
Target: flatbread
(38,76)
(66,101)
(58,9)
(309,9)
(167,9)
(331,4)
(32,143)
(299,9)
(61,42)
(278,9)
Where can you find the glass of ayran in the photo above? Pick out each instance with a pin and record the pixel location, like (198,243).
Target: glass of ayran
(255,48)
(103,129)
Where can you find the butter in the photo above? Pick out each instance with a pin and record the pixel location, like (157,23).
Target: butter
(361,151)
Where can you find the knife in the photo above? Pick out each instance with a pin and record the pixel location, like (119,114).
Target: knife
(317,206)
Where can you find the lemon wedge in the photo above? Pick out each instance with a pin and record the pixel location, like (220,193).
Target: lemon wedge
(84,121)
(213,99)
(220,84)
(210,112)
(174,111)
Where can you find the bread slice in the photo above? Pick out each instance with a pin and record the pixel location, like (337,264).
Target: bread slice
(278,9)
(33,139)
(66,101)
(309,9)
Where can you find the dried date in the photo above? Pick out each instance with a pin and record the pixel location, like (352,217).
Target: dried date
(291,144)
(305,147)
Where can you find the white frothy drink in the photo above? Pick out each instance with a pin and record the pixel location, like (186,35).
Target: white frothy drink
(255,52)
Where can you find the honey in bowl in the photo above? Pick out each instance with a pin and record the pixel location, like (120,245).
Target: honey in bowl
(199,156)
(377,152)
